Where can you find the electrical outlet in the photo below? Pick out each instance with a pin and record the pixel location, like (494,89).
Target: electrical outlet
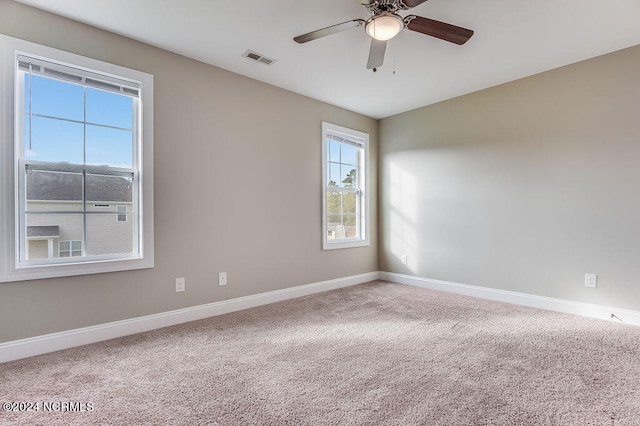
(180,284)
(222,278)
(404,259)
(590,280)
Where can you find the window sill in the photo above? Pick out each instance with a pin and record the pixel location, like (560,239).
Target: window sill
(342,244)
(34,272)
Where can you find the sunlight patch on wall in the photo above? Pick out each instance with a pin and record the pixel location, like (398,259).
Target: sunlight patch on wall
(403,216)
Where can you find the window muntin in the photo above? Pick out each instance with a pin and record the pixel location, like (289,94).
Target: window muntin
(345,158)
(79,146)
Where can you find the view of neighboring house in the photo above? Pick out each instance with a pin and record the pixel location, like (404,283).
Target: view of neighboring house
(56,224)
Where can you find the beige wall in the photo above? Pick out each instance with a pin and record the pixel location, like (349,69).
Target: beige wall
(237,189)
(523,187)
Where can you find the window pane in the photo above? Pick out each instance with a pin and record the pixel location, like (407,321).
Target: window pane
(348,176)
(334,201)
(349,220)
(349,202)
(335,228)
(334,151)
(55,140)
(350,228)
(105,235)
(56,98)
(107,146)
(334,174)
(108,189)
(59,227)
(349,154)
(333,219)
(110,109)
(53,191)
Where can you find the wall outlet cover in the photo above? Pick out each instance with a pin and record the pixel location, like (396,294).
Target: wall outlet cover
(180,284)
(590,280)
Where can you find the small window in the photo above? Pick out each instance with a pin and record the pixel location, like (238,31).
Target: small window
(344,196)
(122,216)
(82,143)
(69,248)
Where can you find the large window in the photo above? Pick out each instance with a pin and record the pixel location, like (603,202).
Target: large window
(77,165)
(344,200)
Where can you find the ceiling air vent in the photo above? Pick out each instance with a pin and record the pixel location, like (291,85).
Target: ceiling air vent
(250,54)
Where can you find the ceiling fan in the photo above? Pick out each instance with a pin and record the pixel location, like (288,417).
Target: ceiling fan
(385,23)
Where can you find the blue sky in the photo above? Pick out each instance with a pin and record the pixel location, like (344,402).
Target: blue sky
(60,134)
(343,159)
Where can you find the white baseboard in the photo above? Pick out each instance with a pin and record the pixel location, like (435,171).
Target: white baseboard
(558,305)
(38,345)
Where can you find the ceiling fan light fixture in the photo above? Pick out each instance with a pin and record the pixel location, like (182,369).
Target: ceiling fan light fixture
(384,26)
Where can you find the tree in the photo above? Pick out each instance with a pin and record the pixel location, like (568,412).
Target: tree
(350,180)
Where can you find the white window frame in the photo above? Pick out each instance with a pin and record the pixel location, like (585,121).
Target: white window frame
(11,269)
(363,213)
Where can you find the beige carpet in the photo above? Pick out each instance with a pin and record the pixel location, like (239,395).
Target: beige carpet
(373,354)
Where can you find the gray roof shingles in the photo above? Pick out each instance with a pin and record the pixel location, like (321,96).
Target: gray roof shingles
(43,231)
(59,186)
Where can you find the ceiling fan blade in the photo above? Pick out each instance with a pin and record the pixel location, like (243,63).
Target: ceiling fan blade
(313,35)
(367,2)
(376,54)
(408,4)
(441,30)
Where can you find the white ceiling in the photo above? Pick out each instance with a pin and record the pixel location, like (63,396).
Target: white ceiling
(513,39)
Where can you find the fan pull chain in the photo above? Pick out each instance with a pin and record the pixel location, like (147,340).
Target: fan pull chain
(375,51)
(393,52)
